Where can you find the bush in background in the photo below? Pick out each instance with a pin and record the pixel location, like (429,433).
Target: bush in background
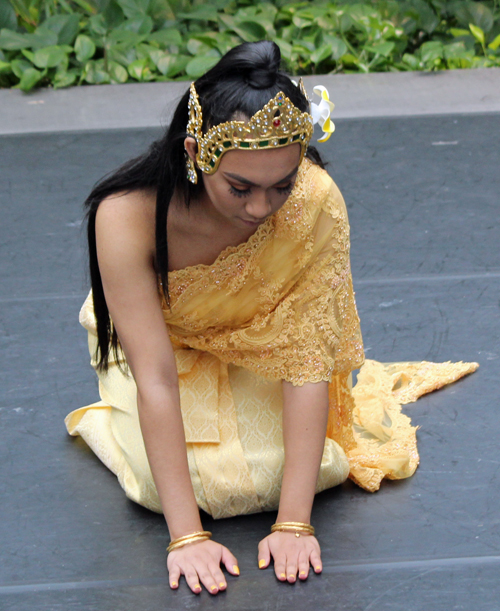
(60,43)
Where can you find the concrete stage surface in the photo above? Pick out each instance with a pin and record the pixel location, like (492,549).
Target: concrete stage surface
(422,189)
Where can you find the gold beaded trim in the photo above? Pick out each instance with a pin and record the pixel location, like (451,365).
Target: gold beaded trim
(278,124)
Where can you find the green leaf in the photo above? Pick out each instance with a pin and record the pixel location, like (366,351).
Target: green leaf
(455,50)
(456,32)
(494,44)
(94,72)
(12,41)
(476,13)
(412,61)
(84,48)
(141,24)
(64,26)
(117,73)
(19,67)
(166,37)
(202,12)
(42,38)
(133,8)
(324,52)
(139,69)
(350,60)
(285,48)
(431,51)
(250,31)
(339,47)
(477,32)
(425,18)
(48,57)
(65,79)
(8,17)
(382,48)
(29,79)
(98,25)
(4,67)
(126,37)
(29,55)
(123,54)
(199,65)
(173,65)
(197,47)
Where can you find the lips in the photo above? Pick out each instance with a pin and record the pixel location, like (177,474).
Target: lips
(253,223)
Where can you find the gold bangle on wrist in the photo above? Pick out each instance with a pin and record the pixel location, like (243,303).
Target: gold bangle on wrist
(299,528)
(201,535)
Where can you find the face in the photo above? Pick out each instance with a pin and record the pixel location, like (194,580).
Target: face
(249,186)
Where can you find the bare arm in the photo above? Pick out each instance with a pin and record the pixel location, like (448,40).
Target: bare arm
(305,415)
(125,248)
(125,252)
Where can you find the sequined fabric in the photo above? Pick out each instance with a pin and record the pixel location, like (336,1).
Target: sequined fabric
(277,307)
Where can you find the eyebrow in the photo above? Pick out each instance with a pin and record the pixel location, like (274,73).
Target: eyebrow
(245,181)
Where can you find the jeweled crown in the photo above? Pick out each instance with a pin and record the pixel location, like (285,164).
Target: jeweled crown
(278,124)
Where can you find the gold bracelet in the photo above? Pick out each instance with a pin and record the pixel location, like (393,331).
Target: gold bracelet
(201,535)
(299,528)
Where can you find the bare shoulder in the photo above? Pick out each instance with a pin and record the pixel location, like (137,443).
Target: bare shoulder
(125,222)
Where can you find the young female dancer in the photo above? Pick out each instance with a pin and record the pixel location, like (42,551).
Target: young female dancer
(223,327)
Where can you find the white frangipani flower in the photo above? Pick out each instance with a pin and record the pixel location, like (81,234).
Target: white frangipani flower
(321,112)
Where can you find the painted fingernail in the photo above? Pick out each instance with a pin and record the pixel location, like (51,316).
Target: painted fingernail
(222,585)
(302,572)
(236,569)
(173,584)
(317,568)
(282,575)
(291,576)
(262,563)
(213,588)
(197,587)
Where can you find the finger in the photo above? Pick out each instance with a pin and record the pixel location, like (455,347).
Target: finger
(280,567)
(230,562)
(173,577)
(219,578)
(264,554)
(303,566)
(207,579)
(291,568)
(316,563)
(192,580)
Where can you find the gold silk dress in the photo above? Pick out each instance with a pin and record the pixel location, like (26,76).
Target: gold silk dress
(277,307)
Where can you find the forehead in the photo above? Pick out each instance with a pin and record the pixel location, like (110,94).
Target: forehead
(270,165)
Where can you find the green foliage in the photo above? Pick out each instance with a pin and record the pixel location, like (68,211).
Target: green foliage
(60,43)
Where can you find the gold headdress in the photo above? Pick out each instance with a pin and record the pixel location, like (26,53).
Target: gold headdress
(278,124)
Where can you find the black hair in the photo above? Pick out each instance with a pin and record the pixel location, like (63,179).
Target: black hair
(242,82)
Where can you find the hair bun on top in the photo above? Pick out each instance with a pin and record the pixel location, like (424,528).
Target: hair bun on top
(260,65)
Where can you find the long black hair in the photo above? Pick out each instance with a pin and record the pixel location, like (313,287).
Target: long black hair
(242,82)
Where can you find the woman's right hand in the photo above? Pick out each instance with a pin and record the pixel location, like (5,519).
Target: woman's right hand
(200,562)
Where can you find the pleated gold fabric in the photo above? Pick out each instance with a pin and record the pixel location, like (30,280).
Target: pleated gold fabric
(277,307)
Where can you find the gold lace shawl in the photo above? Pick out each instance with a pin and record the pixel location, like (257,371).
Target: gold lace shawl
(280,304)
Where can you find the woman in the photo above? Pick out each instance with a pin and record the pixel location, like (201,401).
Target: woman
(225,372)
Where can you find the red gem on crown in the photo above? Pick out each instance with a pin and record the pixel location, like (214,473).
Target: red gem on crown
(277,122)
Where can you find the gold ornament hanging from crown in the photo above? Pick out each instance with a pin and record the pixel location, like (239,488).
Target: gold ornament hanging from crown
(278,124)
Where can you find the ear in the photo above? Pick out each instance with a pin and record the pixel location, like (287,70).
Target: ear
(191,147)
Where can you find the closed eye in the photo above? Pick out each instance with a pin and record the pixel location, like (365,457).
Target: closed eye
(239,192)
(286,189)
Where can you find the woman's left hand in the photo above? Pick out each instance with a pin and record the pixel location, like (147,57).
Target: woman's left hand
(292,555)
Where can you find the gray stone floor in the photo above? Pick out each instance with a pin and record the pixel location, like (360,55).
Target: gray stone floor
(422,190)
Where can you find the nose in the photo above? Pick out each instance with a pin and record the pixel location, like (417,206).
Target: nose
(259,206)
